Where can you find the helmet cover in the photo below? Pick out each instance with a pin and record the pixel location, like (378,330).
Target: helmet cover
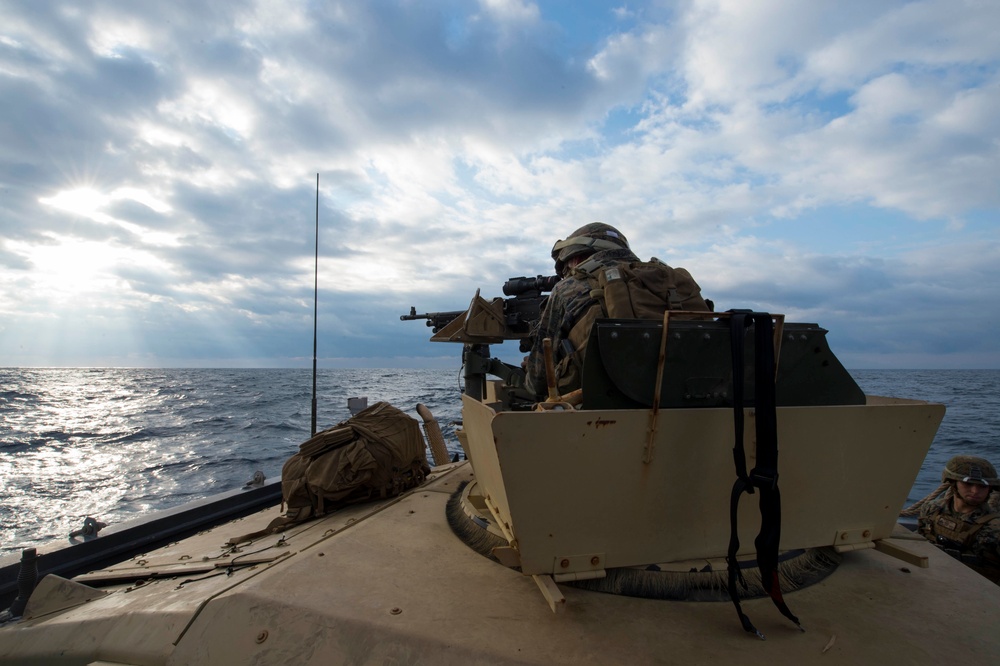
(587,240)
(970,469)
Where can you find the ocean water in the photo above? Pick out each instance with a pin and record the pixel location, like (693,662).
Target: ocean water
(971,422)
(117,443)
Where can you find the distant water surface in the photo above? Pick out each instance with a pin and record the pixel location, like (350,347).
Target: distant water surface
(971,423)
(116,443)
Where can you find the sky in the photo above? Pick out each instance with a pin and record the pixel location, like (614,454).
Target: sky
(836,161)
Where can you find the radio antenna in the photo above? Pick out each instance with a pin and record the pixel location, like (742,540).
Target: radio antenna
(315,307)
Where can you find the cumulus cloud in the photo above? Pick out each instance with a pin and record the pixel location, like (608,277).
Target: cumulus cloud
(830,160)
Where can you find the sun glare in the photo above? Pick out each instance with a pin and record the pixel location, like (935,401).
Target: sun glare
(69,269)
(83,201)
(88,202)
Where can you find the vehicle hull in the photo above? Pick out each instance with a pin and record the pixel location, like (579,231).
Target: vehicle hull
(390,583)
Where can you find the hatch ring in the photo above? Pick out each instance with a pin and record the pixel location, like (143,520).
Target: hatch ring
(797,569)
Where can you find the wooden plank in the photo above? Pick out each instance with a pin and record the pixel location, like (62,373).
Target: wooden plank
(555,598)
(896,550)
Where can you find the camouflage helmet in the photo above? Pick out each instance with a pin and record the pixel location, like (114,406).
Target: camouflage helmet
(971,470)
(586,240)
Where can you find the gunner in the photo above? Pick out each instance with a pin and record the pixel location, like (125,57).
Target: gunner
(962,521)
(581,297)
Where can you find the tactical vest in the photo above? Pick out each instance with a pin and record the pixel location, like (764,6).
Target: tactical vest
(631,290)
(955,536)
(960,532)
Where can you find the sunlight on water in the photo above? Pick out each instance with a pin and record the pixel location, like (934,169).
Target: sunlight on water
(114,443)
(71,457)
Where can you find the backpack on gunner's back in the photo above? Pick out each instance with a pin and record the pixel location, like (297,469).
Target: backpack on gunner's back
(642,289)
(633,290)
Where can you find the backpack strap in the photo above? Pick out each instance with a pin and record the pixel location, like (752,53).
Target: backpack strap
(764,476)
(588,266)
(608,287)
(279,524)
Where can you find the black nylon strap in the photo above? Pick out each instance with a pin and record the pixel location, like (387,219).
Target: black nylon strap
(737,323)
(764,476)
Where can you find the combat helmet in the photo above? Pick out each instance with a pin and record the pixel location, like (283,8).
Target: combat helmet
(586,240)
(970,469)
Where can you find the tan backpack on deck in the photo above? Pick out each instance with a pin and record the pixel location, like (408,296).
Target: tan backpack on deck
(634,290)
(377,453)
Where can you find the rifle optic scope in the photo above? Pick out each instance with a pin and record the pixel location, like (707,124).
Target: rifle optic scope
(524,285)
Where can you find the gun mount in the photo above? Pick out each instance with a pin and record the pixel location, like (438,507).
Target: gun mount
(486,323)
(492,322)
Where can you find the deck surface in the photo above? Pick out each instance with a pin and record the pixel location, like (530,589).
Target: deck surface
(390,583)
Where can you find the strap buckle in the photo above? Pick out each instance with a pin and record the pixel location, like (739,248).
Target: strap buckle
(764,478)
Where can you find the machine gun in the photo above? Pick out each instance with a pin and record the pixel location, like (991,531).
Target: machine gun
(435,320)
(511,318)
(491,322)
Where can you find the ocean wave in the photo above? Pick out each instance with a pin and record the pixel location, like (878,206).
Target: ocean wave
(16,396)
(141,440)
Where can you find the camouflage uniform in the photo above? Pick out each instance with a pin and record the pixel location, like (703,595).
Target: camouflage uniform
(980,549)
(570,298)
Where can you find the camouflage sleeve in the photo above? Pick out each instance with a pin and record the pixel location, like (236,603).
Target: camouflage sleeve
(925,521)
(986,543)
(549,326)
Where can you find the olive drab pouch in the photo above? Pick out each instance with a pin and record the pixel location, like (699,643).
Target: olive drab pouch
(376,454)
(634,290)
(645,290)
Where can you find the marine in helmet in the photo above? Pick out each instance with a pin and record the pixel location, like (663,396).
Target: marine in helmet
(962,522)
(572,307)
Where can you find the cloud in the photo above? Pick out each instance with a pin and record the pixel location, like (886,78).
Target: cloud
(832,161)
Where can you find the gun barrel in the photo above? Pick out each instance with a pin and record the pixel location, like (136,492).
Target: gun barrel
(413,315)
(435,320)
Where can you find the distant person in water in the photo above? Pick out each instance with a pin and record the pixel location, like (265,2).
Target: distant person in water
(590,261)
(962,521)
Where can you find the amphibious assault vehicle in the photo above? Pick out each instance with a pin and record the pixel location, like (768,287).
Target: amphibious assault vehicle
(594,529)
